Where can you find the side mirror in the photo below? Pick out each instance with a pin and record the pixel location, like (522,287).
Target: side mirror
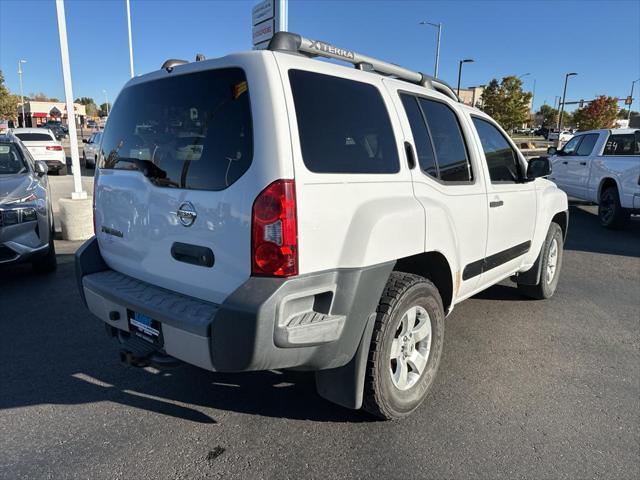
(85,140)
(41,168)
(538,167)
(552,151)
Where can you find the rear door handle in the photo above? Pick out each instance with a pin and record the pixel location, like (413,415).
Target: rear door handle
(411,158)
(496,203)
(583,163)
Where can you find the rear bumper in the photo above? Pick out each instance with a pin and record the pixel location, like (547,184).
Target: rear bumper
(310,322)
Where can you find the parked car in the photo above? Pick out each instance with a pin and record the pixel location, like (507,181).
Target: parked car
(42,145)
(602,166)
(272,230)
(56,128)
(26,218)
(92,124)
(90,149)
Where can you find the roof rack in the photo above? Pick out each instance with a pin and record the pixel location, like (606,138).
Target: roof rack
(294,43)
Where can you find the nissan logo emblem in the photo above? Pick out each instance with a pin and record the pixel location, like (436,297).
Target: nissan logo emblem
(186,214)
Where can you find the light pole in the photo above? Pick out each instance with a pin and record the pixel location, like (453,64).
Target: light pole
(439,27)
(630,96)
(564,98)
(130,44)
(523,75)
(24,120)
(106,101)
(466,60)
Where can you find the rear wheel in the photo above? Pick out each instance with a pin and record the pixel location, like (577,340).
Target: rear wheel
(406,346)
(550,265)
(610,212)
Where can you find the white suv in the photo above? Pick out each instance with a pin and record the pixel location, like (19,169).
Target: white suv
(266,210)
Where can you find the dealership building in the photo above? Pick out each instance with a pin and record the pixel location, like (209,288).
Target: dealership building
(36,113)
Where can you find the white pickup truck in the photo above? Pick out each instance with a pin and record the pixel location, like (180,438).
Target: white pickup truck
(601,166)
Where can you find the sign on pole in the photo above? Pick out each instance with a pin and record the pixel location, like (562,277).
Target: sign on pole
(267,18)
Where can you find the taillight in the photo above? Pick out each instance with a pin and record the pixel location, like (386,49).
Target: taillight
(274,231)
(55,148)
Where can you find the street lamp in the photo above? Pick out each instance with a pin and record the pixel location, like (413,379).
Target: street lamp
(523,75)
(129,31)
(466,60)
(20,62)
(439,27)
(106,101)
(564,98)
(631,97)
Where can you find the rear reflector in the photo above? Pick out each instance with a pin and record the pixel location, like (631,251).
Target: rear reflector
(55,148)
(274,232)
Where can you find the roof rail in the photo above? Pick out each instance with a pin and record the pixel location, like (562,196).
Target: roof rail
(294,43)
(172,62)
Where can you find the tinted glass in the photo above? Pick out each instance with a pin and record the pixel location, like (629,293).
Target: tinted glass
(572,145)
(502,160)
(344,126)
(34,137)
(421,136)
(587,144)
(451,154)
(10,160)
(621,145)
(187,131)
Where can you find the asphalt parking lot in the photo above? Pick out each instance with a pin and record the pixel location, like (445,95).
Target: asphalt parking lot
(526,389)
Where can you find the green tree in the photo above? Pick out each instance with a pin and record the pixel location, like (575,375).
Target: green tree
(506,102)
(549,115)
(8,102)
(599,113)
(624,112)
(102,112)
(89,105)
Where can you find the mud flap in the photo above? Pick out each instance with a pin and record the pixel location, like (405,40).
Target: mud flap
(345,385)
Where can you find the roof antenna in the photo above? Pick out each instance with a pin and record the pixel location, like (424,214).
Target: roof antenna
(200,57)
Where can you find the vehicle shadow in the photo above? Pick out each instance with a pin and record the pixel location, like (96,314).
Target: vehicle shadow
(586,234)
(64,357)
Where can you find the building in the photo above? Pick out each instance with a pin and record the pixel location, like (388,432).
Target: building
(37,113)
(472,95)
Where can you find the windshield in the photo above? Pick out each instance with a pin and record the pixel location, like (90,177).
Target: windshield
(188,131)
(34,137)
(11,161)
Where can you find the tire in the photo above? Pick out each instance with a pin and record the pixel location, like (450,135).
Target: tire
(550,265)
(400,369)
(610,212)
(47,263)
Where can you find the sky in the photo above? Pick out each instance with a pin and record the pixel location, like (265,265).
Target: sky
(600,40)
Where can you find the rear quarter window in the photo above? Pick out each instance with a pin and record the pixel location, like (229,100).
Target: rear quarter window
(190,131)
(344,125)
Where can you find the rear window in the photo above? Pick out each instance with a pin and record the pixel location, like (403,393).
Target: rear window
(34,137)
(11,161)
(188,131)
(344,126)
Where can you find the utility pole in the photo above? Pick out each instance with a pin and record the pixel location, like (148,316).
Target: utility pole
(282,17)
(564,98)
(439,27)
(130,44)
(630,96)
(77,193)
(24,120)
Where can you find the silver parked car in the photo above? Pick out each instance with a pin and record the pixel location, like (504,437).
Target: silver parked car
(90,150)
(26,218)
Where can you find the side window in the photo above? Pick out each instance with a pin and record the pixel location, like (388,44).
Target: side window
(421,136)
(344,125)
(502,159)
(587,144)
(620,145)
(571,146)
(451,154)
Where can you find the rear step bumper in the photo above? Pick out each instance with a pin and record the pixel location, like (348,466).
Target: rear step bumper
(311,322)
